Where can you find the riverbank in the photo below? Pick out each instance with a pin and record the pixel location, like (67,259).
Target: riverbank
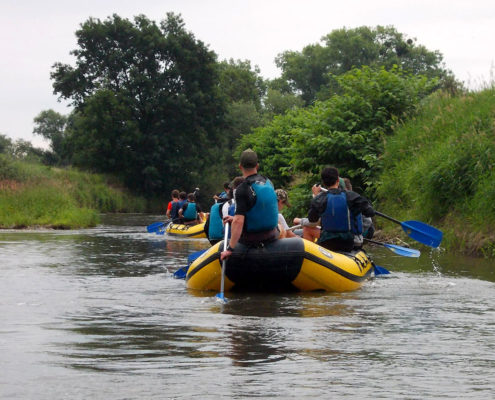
(34,195)
(438,168)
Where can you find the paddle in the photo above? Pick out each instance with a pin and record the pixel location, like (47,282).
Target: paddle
(155,226)
(379,270)
(181,273)
(418,231)
(401,251)
(220,296)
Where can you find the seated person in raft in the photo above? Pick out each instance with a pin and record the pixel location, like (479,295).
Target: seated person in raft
(190,213)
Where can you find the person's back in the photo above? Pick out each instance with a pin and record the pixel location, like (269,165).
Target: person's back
(340,213)
(256,213)
(214,223)
(256,200)
(190,211)
(172,207)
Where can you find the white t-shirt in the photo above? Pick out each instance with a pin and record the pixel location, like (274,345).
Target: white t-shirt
(225,207)
(282,222)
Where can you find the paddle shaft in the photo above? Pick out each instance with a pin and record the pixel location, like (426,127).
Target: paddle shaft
(374,242)
(401,251)
(224,262)
(387,217)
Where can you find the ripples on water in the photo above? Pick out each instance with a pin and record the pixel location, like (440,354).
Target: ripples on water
(97,314)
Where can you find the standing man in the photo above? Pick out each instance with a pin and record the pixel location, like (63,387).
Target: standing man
(340,212)
(256,215)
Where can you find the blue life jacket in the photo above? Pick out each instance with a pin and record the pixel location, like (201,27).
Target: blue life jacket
(215,228)
(232,209)
(190,212)
(264,214)
(174,213)
(337,217)
(357,224)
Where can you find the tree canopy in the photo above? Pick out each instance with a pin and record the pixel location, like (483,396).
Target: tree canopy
(309,72)
(146,100)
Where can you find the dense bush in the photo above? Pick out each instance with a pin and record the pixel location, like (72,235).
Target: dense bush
(347,131)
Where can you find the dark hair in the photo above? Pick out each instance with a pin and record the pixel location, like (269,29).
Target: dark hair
(226,185)
(190,197)
(233,185)
(175,194)
(182,195)
(329,175)
(237,181)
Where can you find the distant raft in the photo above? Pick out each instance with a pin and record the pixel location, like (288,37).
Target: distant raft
(287,264)
(189,231)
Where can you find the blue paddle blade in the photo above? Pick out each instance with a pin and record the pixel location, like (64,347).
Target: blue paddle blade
(221,297)
(155,226)
(380,270)
(423,233)
(181,273)
(402,251)
(195,255)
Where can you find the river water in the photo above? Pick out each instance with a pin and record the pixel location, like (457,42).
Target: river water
(97,314)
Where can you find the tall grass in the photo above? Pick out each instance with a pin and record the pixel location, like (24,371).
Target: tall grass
(36,195)
(440,167)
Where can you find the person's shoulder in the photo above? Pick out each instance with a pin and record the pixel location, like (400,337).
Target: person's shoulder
(352,195)
(322,196)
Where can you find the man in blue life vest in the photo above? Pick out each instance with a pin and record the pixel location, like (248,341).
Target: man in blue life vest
(256,214)
(174,205)
(338,211)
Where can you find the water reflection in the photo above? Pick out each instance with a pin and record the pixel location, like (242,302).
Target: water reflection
(96,313)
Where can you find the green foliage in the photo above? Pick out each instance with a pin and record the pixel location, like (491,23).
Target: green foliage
(440,164)
(277,102)
(238,82)
(310,71)
(9,169)
(52,125)
(147,101)
(5,144)
(272,142)
(20,149)
(347,131)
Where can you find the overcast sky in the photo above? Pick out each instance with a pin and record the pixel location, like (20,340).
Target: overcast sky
(35,34)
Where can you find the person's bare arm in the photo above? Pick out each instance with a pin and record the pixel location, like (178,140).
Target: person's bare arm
(237,225)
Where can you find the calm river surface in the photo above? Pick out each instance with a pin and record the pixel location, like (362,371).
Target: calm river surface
(97,314)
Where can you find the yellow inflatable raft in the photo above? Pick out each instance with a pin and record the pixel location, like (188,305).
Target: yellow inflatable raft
(190,231)
(285,264)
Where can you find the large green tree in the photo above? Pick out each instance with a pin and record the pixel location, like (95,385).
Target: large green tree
(146,97)
(309,72)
